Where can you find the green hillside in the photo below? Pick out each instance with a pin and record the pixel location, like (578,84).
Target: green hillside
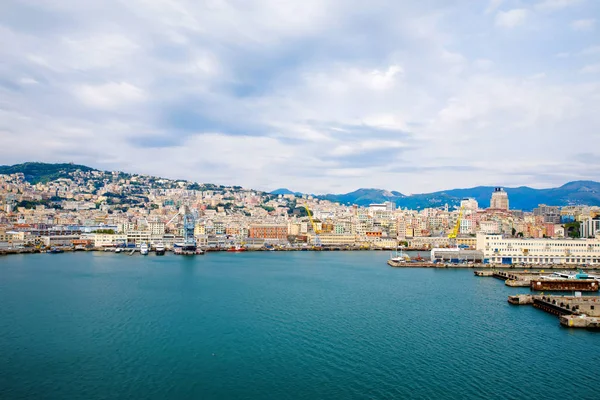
(36,172)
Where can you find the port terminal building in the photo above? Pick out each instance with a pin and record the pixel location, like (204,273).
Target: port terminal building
(498,249)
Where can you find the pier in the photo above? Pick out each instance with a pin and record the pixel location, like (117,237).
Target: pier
(573,311)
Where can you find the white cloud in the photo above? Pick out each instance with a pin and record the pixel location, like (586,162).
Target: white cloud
(583,24)
(590,69)
(592,50)
(318,95)
(109,95)
(511,18)
(557,4)
(493,6)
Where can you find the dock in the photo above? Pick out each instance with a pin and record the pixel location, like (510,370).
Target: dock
(573,311)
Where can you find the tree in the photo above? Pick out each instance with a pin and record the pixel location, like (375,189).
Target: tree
(514,231)
(572,229)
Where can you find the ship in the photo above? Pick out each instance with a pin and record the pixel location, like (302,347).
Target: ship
(159,249)
(237,249)
(187,249)
(144,249)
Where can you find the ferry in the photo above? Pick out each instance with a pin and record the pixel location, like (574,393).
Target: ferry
(144,249)
(159,249)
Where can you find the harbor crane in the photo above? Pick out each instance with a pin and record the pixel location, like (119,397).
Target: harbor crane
(314,226)
(189,223)
(455,231)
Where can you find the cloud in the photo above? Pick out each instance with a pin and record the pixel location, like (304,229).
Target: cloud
(557,4)
(109,95)
(493,6)
(592,50)
(583,24)
(316,95)
(590,69)
(511,18)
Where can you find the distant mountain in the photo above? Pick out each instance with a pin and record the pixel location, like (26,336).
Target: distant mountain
(36,172)
(523,198)
(285,191)
(363,197)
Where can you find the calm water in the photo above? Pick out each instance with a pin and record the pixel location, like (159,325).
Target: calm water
(276,326)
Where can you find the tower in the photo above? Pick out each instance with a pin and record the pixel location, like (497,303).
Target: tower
(499,199)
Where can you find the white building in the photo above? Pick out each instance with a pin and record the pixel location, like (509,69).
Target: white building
(500,250)
(469,204)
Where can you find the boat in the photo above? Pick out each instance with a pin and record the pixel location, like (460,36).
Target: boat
(54,250)
(144,249)
(399,257)
(567,275)
(159,249)
(236,249)
(118,250)
(187,249)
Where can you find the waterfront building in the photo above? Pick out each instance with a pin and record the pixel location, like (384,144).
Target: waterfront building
(499,199)
(332,239)
(267,231)
(502,250)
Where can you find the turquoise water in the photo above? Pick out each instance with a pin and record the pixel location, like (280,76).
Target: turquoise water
(276,325)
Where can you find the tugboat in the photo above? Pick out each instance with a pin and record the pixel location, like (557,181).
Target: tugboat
(159,249)
(237,249)
(144,249)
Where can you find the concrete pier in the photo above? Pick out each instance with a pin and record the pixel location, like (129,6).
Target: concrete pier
(573,311)
(521,299)
(580,321)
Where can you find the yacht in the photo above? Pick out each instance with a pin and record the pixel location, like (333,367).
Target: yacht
(159,249)
(144,249)
(399,257)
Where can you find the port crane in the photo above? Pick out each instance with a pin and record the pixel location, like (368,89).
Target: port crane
(454,232)
(189,223)
(314,226)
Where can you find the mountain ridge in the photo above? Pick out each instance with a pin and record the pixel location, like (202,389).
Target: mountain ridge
(583,192)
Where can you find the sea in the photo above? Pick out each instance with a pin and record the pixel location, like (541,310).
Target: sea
(276,325)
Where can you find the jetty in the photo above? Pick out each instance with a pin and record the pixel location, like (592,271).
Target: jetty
(573,311)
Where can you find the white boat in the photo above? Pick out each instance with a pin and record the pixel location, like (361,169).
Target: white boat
(144,249)
(159,249)
(118,250)
(399,257)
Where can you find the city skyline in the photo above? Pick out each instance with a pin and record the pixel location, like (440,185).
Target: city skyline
(21,167)
(314,96)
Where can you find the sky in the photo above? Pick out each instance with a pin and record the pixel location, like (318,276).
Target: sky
(318,96)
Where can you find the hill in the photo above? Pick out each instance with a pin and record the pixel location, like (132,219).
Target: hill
(364,197)
(523,198)
(36,172)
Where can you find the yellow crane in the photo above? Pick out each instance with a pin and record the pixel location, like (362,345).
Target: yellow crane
(314,226)
(454,233)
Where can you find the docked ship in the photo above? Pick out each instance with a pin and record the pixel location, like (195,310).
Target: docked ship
(159,249)
(144,249)
(237,249)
